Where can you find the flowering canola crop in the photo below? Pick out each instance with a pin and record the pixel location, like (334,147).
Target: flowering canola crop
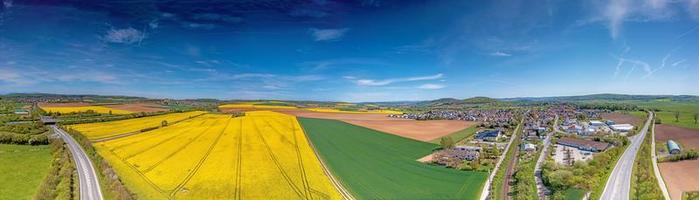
(263,155)
(75,109)
(95,131)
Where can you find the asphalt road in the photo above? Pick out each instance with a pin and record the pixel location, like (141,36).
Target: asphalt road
(618,185)
(89,183)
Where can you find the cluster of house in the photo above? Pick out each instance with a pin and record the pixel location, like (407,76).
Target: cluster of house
(455,156)
(493,116)
(593,127)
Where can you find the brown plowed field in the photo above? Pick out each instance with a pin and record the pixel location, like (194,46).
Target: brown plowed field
(139,107)
(680,177)
(621,118)
(418,130)
(688,138)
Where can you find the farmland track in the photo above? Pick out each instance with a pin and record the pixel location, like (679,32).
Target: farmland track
(108,138)
(239,163)
(276,162)
(151,136)
(201,161)
(182,148)
(304,177)
(164,141)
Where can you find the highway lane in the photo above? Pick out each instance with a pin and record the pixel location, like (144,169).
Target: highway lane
(87,177)
(618,185)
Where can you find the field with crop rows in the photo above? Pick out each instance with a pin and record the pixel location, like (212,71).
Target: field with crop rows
(75,109)
(94,131)
(376,165)
(254,106)
(263,155)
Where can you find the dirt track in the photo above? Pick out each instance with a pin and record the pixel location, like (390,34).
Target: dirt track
(680,177)
(418,130)
(688,138)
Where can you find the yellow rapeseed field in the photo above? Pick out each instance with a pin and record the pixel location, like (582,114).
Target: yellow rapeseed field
(97,109)
(262,155)
(94,131)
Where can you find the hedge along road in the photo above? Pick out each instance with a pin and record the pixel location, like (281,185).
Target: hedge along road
(89,182)
(618,185)
(376,165)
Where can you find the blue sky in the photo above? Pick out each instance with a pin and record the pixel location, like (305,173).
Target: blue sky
(350,50)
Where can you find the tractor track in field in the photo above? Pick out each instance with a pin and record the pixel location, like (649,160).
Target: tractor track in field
(180,149)
(304,177)
(200,163)
(121,135)
(239,163)
(149,137)
(162,142)
(276,162)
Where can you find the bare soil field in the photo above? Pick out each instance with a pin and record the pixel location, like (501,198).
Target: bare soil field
(64,104)
(621,118)
(688,138)
(138,107)
(418,130)
(680,177)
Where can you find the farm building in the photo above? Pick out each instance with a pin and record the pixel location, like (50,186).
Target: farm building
(489,135)
(21,112)
(596,123)
(673,147)
(585,145)
(622,127)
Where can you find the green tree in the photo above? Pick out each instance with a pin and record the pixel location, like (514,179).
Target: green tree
(110,112)
(696,115)
(163,123)
(447,142)
(677,116)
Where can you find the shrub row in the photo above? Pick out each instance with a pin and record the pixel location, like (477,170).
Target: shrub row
(61,182)
(24,139)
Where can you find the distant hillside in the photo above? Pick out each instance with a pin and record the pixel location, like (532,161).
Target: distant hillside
(480,100)
(609,97)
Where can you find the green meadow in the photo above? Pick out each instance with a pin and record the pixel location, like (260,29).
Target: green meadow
(22,170)
(376,165)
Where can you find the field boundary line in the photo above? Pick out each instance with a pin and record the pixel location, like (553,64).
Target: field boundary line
(334,180)
(656,170)
(239,163)
(103,139)
(200,163)
(162,142)
(149,137)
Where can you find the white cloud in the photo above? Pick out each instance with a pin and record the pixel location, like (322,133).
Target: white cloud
(500,54)
(153,24)
(430,86)
(7,3)
(124,36)
(615,13)
(328,34)
(371,82)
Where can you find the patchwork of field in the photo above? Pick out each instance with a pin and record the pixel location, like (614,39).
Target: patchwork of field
(419,130)
(624,118)
(101,130)
(263,155)
(22,169)
(680,177)
(376,165)
(139,107)
(97,109)
(254,106)
(332,110)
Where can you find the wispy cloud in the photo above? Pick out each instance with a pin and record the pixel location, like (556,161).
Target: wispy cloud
(328,34)
(430,86)
(371,82)
(615,13)
(124,36)
(500,54)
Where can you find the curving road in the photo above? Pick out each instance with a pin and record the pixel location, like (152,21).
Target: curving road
(89,183)
(618,185)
